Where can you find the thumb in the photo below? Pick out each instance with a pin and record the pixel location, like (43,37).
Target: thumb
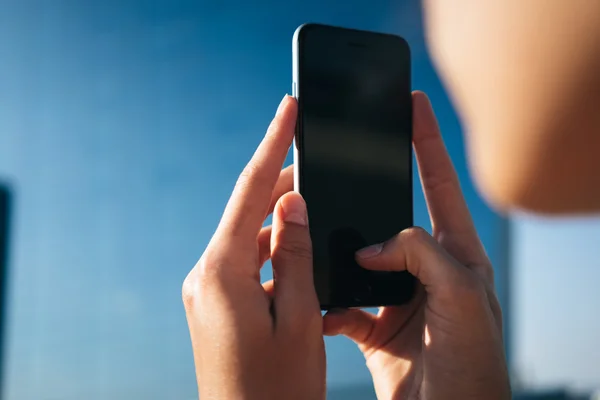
(291,256)
(415,251)
(354,323)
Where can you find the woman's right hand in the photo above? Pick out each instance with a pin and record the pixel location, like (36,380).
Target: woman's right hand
(254,341)
(446,343)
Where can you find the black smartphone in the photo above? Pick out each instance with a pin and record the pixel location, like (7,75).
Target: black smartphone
(353,157)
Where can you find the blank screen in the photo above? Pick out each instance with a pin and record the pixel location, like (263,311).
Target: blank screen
(355,157)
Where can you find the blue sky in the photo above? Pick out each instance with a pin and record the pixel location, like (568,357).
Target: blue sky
(123,126)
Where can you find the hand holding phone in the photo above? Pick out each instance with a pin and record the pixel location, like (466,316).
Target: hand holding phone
(447,342)
(254,341)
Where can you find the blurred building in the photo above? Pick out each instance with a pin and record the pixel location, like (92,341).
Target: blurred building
(5,197)
(366,392)
(551,395)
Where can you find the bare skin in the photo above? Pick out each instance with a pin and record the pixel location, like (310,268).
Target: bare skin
(524,77)
(252,341)
(255,341)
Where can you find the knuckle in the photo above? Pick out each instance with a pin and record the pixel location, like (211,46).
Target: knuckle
(415,235)
(212,268)
(206,273)
(250,177)
(189,289)
(296,249)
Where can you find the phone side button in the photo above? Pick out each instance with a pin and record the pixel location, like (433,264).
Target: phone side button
(294,89)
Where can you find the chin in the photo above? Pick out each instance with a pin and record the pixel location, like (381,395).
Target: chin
(547,192)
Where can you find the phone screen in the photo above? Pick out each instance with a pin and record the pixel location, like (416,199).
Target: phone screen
(354,147)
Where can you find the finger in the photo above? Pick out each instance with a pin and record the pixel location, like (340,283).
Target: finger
(284,184)
(291,257)
(269,287)
(355,324)
(249,203)
(264,245)
(450,218)
(415,251)
(445,201)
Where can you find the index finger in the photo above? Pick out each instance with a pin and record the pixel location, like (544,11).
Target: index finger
(249,202)
(450,217)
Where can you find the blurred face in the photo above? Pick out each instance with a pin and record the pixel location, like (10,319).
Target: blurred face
(527,97)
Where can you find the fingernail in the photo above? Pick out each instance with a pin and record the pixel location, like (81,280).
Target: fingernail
(371,251)
(281,104)
(294,210)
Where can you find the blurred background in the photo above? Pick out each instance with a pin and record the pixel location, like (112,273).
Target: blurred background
(123,127)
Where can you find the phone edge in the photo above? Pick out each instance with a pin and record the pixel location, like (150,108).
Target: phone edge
(295,90)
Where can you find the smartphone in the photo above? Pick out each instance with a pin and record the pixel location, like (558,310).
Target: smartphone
(353,157)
